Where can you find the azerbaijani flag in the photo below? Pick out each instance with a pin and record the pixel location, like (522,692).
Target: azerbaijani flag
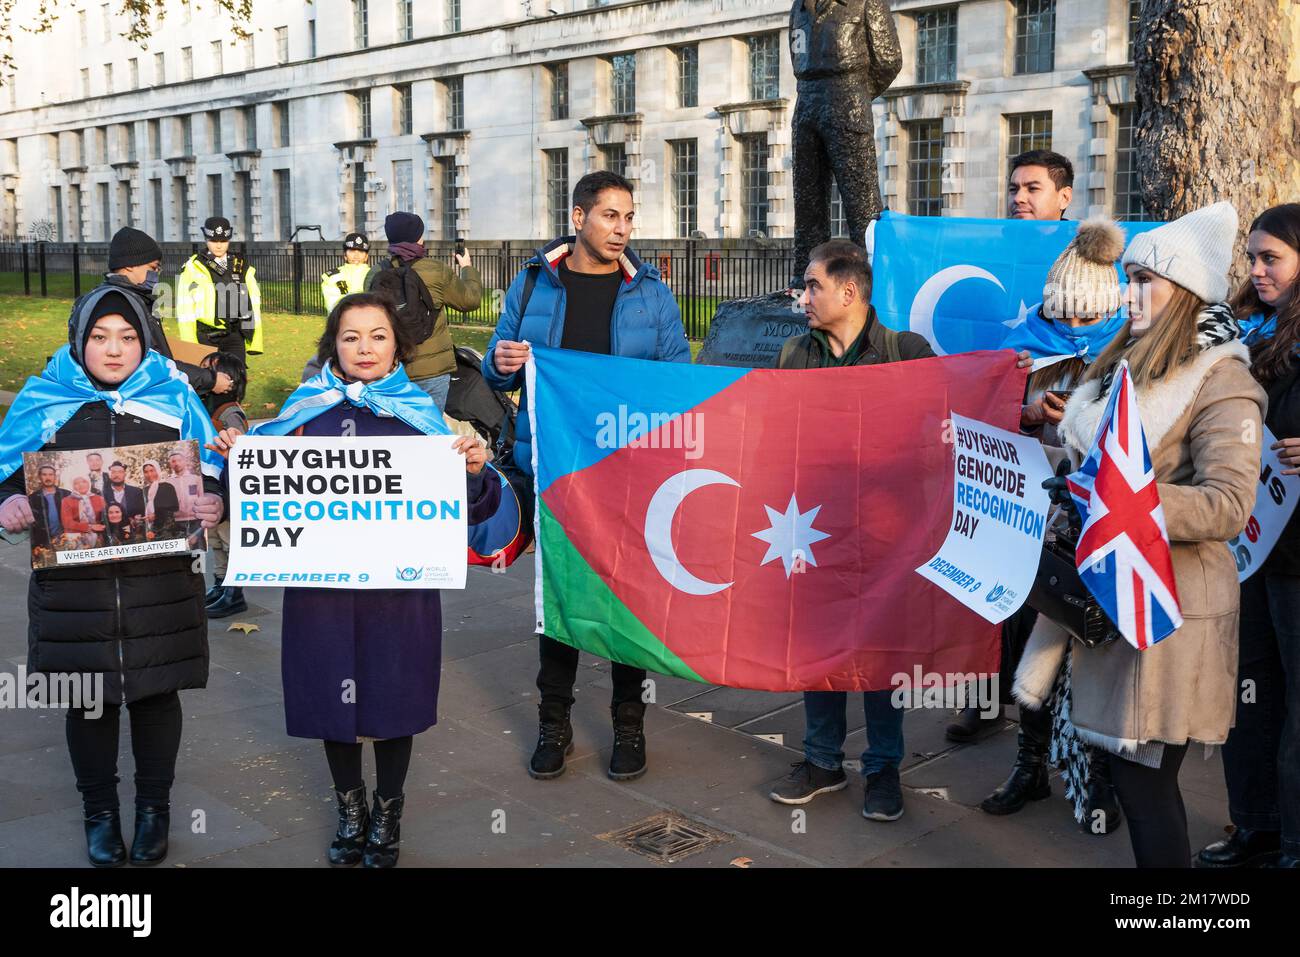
(757,528)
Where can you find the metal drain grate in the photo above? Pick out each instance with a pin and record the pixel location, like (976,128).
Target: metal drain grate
(665,838)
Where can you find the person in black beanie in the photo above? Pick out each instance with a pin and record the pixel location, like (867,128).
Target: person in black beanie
(134,264)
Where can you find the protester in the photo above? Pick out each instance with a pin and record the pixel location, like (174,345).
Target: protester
(218,300)
(388,643)
(352,275)
(423,306)
(1201,413)
(588,292)
(1079,316)
(136,625)
(1261,758)
(134,265)
(82,514)
(1041,186)
(844,331)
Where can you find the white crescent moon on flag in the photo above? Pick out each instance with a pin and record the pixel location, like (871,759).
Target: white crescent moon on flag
(921,319)
(659,528)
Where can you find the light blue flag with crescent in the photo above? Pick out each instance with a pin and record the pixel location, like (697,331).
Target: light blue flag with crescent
(964,284)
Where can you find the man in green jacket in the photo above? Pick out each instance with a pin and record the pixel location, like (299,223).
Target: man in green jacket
(460,288)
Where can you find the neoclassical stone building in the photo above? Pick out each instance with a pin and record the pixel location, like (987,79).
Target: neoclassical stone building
(482,115)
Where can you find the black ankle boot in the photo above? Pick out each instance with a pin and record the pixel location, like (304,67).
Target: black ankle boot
(213,593)
(1243,847)
(385,835)
(1101,814)
(554,741)
(970,724)
(1029,777)
(628,758)
(230,603)
(152,822)
(104,844)
(354,821)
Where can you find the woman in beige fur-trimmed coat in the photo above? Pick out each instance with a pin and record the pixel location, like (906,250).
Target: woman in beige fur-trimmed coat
(1201,411)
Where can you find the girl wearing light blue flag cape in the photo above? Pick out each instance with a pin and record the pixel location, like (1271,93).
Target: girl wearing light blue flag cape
(388,642)
(131,632)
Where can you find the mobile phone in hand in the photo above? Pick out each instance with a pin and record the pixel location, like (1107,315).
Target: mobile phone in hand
(460,247)
(1062,394)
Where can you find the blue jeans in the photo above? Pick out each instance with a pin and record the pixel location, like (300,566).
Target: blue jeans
(825,714)
(1261,758)
(437,386)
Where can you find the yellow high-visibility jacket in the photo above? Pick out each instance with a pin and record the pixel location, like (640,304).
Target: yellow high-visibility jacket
(347,279)
(196,301)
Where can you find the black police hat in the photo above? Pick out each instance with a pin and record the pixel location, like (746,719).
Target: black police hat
(356,241)
(217,227)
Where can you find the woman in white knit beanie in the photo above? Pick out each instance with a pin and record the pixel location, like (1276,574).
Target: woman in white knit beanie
(1201,410)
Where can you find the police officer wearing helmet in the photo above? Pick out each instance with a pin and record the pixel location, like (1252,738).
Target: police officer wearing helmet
(218,301)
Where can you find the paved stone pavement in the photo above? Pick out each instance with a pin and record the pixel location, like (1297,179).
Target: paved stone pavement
(265,798)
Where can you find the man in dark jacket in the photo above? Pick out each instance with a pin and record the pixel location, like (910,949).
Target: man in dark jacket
(845,332)
(47,505)
(129,497)
(586,292)
(134,263)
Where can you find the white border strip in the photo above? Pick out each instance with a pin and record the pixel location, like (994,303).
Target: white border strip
(530,383)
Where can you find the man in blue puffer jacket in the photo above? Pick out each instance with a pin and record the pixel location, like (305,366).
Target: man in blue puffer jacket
(587,292)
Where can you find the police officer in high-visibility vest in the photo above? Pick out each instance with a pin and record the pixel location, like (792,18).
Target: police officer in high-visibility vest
(351,276)
(218,302)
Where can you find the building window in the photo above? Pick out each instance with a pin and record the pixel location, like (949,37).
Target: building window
(614,158)
(311,39)
(244,204)
(74,207)
(624,82)
(1027,131)
(283,203)
(450,215)
(159,69)
(108,78)
(105,210)
(133,69)
(214,130)
(281,44)
(559,90)
(764,67)
(154,128)
(103,144)
(187,63)
(187,135)
(217,68)
(250,127)
(453,16)
(455,88)
(129,130)
(405,108)
(156,198)
(688,76)
(82,31)
(249,53)
(85,82)
(405,20)
(753,183)
(925,167)
(81,147)
(936,46)
(1035,36)
(403,186)
(214,195)
(280,121)
(56,201)
(839,219)
(359,197)
(557,192)
(1128,189)
(126,195)
(360,24)
(181,199)
(685,186)
(1134,15)
(362,99)
(106,10)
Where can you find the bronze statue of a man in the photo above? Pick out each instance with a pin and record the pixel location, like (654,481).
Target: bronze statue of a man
(845,54)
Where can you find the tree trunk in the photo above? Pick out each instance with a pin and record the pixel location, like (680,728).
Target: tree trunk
(1218,103)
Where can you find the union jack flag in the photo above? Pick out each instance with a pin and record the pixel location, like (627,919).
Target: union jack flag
(1123,553)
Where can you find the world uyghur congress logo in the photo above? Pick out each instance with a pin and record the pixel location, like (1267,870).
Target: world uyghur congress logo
(409,574)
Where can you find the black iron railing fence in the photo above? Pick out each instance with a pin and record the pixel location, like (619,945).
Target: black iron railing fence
(701,273)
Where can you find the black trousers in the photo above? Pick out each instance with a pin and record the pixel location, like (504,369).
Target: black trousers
(392,760)
(155,742)
(559,670)
(1157,820)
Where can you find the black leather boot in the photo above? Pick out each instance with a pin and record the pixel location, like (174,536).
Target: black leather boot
(385,836)
(152,822)
(1029,777)
(1101,813)
(1242,847)
(230,603)
(554,741)
(628,758)
(354,821)
(970,724)
(213,593)
(104,844)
